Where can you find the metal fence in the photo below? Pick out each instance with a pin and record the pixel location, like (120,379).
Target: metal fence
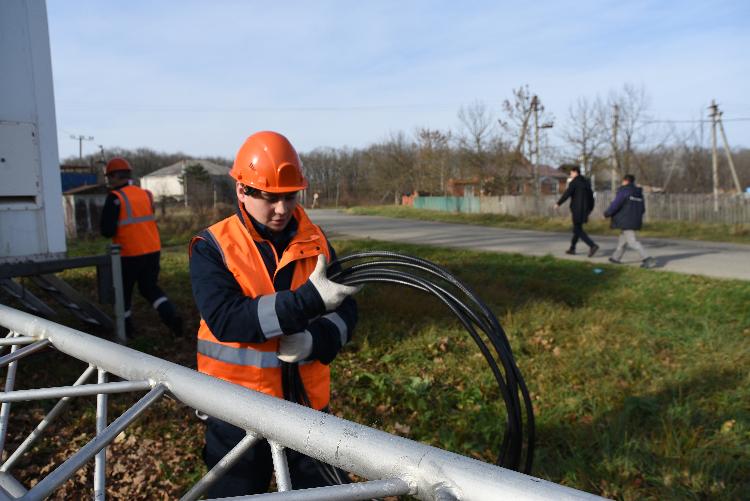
(392,465)
(699,208)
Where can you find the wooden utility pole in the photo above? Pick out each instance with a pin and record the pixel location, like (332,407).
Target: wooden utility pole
(615,154)
(535,108)
(81,138)
(728,152)
(714,156)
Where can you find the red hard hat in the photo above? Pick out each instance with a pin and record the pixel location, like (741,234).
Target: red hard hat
(116,164)
(267,161)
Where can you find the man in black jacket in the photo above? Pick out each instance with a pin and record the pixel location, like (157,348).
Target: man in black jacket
(626,211)
(581,204)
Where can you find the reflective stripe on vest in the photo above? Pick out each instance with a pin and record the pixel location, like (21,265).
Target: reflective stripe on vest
(137,233)
(240,356)
(255,365)
(269,320)
(129,219)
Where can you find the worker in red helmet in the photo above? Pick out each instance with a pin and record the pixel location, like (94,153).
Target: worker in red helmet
(128,219)
(270,318)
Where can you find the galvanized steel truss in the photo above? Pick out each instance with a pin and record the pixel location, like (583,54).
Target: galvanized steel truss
(393,465)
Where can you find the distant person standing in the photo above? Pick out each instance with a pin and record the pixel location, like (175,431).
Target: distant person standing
(128,218)
(626,211)
(581,204)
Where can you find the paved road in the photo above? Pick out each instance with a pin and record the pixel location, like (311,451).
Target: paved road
(722,260)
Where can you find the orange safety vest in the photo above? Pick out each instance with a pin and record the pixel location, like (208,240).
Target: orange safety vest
(255,365)
(136,226)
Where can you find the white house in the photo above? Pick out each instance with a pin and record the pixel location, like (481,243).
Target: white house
(165,182)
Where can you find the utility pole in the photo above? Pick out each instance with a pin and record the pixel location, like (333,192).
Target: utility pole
(728,152)
(714,156)
(81,138)
(615,156)
(535,107)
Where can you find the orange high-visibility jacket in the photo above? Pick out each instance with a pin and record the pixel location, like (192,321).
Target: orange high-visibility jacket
(255,365)
(136,226)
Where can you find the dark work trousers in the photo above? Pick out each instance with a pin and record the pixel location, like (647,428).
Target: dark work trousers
(578,232)
(144,270)
(252,473)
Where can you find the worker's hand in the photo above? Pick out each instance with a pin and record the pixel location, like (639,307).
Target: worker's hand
(295,347)
(557,206)
(333,294)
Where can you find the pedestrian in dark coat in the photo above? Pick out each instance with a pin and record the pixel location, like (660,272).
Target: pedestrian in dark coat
(581,204)
(626,211)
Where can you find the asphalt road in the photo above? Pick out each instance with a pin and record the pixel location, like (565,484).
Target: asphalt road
(722,260)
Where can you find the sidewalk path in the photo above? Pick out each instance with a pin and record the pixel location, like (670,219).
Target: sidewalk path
(723,260)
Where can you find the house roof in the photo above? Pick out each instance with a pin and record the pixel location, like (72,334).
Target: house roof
(177,168)
(88,189)
(544,171)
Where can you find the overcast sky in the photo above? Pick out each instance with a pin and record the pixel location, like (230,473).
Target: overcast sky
(199,76)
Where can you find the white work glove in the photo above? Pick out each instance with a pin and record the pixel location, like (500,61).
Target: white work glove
(295,347)
(333,294)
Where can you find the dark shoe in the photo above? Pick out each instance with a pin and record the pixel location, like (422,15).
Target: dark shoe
(593,250)
(572,252)
(649,262)
(614,261)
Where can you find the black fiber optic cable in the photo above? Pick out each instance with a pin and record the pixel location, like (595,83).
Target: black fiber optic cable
(472,313)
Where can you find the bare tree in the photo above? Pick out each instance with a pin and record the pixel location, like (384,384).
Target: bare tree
(432,160)
(625,121)
(517,113)
(584,133)
(515,122)
(391,164)
(477,124)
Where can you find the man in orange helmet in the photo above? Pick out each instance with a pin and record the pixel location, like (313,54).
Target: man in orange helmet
(128,218)
(270,318)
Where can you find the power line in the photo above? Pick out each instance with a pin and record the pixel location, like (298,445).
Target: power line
(81,138)
(695,121)
(314,109)
(241,109)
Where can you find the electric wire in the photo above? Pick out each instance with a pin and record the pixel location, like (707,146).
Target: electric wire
(385,267)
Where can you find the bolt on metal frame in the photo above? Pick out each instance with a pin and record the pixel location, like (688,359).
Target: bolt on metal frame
(391,464)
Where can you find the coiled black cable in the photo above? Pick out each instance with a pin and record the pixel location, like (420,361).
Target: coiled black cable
(477,319)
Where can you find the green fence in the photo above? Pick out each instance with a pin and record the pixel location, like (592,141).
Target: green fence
(449,204)
(732,209)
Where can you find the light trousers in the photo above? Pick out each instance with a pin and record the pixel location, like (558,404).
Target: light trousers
(627,238)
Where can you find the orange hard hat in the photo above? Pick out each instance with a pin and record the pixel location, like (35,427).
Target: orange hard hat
(117,164)
(267,161)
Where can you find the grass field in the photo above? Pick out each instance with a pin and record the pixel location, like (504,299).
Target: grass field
(739,233)
(640,381)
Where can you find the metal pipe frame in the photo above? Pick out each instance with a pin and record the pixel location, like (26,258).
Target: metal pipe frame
(360,490)
(221,467)
(66,470)
(17,340)
(119,306)
(23,352)
(74,391)
(100,465)
(10,381)
(44,423)
(430,473)
(280,466)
